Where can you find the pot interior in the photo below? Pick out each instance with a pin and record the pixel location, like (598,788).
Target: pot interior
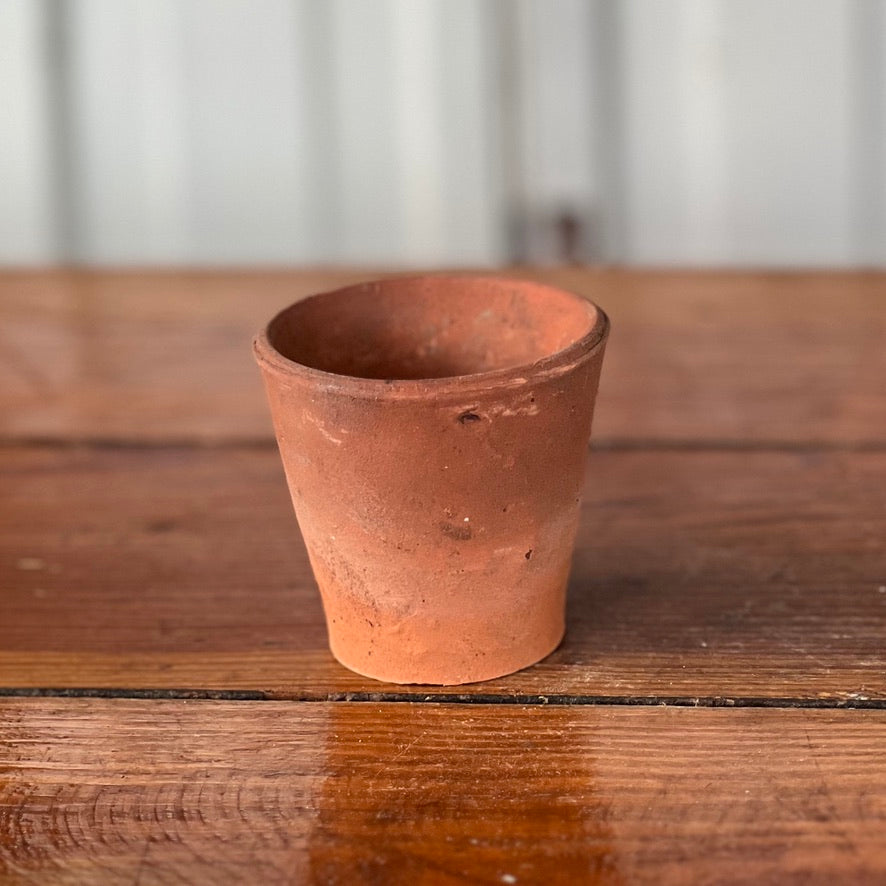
(430,327)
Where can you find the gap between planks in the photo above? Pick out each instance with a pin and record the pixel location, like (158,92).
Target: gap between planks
(552,700)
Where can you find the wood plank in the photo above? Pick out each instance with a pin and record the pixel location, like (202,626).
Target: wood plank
(151,355)
(172,792)
(141,355)
(713,574)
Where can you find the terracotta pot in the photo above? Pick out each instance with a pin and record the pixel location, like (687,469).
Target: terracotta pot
(434,431)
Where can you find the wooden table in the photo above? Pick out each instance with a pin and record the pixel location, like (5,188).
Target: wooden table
(717,713)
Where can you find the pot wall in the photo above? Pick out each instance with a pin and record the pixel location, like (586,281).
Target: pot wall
(439,523)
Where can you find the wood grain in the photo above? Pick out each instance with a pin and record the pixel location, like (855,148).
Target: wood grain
(713,357)
(146,355)
(732,552)
(211,792)
(708,574)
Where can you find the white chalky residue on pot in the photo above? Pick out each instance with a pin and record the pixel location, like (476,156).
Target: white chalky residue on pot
(321,428)
(528,409)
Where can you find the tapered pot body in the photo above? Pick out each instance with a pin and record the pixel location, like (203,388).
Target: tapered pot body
(434,434)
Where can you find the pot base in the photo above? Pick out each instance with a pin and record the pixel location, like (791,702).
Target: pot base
(450,673)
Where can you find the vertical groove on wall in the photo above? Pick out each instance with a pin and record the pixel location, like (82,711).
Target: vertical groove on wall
(608,58)
(704,135)
(868,120)
(316,45)
(511,149)
(56,51)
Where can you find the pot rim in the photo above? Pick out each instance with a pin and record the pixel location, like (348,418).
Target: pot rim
(551,365)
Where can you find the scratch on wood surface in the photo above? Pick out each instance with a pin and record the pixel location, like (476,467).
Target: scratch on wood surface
(834,818)
(142,861)
(400,753)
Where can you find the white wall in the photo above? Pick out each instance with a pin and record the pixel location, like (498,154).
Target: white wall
(27,231)
(443,132)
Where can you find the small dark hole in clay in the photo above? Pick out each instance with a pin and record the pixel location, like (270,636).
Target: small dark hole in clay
(466,417)
(528,554)
(161,525)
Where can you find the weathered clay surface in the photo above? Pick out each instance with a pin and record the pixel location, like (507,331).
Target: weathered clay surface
(433,431)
